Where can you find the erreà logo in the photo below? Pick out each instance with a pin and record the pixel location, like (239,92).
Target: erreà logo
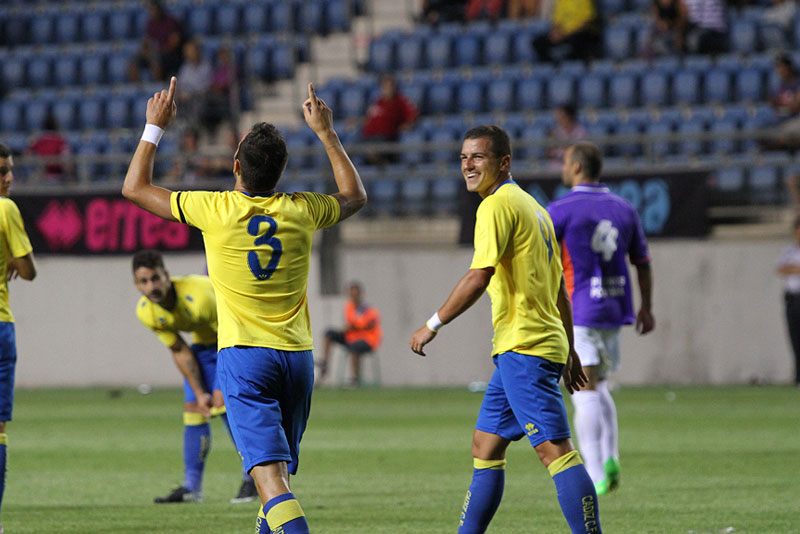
(61,224)
(531,429)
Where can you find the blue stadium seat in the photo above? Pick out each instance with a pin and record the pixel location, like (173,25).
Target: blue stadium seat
(497,48)
(384,195)
(415,92)
(413,156)
(561,90)
(91,113)
(749,85)
(500,95)
(414,195)
(469,96)
(381,55)
(622,90)
(282,61)
(409,55)
(719,144)
(66,70)
(92,69)
(13,70)
(43,28)
(522,47)
(440,98)
(697,63)
(68,27)
(612,7)
(93,25)
(691,146)
(772,36)
(311,18)
(10,115)
(444,136)
(531,133)
(686,87)
(296,143)
(35,112)
(628,148)
(353,101)
(439,50)
(444,194)
(467,50)
(717,86)
(743,35)
(199,20)
(618,42)
(764,183)
(120,23)
(257,61)
(65,113)
(654,88)
(592,90)
(337,15)
(659,148)
(117,67)
(118,112)
(530,93)
(227,19)
(39,70)
(255,17)
(281,15)
(15,28)
(730,179)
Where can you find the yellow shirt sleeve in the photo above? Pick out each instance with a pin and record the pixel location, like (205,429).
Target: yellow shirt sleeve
(18,241)
(145,315)
(493,227)
(323,209)
(191,207)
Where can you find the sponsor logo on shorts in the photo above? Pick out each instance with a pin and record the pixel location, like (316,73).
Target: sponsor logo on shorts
(531,429)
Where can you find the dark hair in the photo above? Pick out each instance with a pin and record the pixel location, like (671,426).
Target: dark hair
(262,156)
(149,258)
(589,156)
(50,123)
(501,144)
(5,152)
(785,60)
(570,110)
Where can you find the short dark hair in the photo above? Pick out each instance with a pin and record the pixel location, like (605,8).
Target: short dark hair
(590,157)
(149,258)
(785,60)
(501,144)
(570,110)
(5,152)
(262,156)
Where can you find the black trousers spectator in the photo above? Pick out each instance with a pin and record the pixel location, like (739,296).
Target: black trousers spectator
(793,323)
(583,45)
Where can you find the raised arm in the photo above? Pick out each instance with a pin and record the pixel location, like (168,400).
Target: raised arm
(351,195)
(467,291)
(138,186)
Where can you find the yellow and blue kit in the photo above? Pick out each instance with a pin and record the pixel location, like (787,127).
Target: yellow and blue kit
(258,252)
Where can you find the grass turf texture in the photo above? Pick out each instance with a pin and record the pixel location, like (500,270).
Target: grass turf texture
(398,461)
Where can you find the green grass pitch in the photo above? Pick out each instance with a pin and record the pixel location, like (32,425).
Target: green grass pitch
(398,461)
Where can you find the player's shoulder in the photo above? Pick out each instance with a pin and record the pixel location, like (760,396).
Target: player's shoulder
(8,206)
(143,310)
(191,282)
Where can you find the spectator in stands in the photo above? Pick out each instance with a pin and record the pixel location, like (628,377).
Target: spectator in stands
(565,133)
(789,270)
(707,26)
(438,11)
(362,333)
(195,77)
(575,32)
(669,27)
(522,9)
(223,97)
(782,13)
(200,160)
(50,144)
(161,45)
(484,9)
(387,117)
(785,101)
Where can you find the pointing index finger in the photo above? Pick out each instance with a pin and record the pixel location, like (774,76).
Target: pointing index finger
(173,82)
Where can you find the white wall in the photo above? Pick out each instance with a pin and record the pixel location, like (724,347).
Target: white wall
(717,304)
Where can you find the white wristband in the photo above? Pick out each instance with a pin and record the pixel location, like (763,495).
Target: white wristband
(152,134)
(434,323)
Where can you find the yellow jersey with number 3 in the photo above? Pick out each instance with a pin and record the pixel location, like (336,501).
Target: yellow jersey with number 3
(514,234)
(195,311)
(258,250)
(14,243)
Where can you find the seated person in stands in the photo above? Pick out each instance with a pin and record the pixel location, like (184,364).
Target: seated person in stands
(361,335)
(52,146)
(669,27)
(707,26)
(566,132)
(387,117)
(438,11)
(785,101)
(575,32)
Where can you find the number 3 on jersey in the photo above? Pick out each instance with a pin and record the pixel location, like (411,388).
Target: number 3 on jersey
(266,238)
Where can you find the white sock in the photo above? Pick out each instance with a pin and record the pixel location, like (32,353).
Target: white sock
(588,430)
(610,440)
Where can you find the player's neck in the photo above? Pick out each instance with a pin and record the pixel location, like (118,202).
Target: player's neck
(581,180)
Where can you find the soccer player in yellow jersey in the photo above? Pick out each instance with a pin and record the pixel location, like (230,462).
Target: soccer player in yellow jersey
(169,306)
(517,260)
(16,260)
(258,247)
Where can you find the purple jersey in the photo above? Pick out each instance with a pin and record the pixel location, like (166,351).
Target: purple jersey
(597,229)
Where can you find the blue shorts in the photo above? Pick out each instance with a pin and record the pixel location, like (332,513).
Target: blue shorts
(207,360)
(268,400)
(8,362)
(523,397)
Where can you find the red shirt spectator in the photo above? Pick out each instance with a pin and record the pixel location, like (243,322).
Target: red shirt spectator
(390,114)
(50,144)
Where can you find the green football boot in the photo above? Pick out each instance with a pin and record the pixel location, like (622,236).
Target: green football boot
(611,467)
